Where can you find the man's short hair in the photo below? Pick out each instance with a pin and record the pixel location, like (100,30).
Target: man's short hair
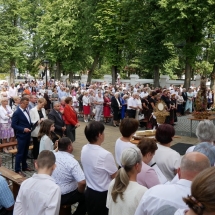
(56,103)
(63,143)
(92,131)
(128,126)
(24,99)
(46,159)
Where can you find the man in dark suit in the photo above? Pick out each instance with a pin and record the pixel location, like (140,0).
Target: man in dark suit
(21,123)
(56,116)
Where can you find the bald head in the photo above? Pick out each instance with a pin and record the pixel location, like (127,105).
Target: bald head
(191,164)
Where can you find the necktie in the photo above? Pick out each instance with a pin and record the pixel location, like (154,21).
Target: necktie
(59,115)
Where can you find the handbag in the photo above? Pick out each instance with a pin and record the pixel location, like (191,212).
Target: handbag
(140,116)
(94,110)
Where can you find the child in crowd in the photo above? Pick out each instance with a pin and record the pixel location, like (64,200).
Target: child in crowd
(39,194)
(45,135)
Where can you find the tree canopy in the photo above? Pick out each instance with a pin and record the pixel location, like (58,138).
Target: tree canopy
(148,37)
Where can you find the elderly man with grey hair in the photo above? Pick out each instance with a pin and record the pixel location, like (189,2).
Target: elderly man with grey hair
(132,106)
(205,133)
(171,194)
(56,116)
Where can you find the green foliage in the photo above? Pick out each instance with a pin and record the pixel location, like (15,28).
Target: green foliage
(104,34)
(13,42)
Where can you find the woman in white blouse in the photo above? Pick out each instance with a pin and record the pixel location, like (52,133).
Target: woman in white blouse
(124,193)
(86,106)
(6,131)
(47,126)
(37,115)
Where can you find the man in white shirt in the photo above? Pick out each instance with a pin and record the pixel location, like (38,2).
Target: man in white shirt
(144,93)
(69,176)
(172,194)
(42,90)
(132,106)
(12,93)
(39,194)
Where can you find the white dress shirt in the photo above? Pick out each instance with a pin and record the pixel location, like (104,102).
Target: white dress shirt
(26,114)
(143,94)
(67,173)
(12,92)
(164,194)
(38,195)
(98,165)
(181,212)
(131,102)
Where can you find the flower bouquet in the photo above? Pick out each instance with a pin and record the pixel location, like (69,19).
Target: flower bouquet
(201,114)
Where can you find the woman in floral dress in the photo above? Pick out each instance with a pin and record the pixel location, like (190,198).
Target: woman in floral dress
(6,131)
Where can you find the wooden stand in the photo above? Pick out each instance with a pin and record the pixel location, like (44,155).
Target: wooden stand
(196,119)
(14,177)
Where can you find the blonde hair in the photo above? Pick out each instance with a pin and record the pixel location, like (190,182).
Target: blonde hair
(129,158)
(41,100)
(15,98)
(4,98)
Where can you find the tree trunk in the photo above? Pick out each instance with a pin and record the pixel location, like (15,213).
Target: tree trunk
(71,76)
(58,72)
(187,74)
(114,72)
(156,76)
(212,75)
(12,72)
(94,64)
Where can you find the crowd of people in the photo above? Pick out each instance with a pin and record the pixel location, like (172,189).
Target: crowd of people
(148,178)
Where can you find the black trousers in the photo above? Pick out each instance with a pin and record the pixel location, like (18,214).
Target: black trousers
(11,102)
(36,148)
(131,113)
(3,211)
(70,132)
(72,198)
(96,202)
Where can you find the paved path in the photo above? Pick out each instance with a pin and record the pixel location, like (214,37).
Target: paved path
(111,135)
